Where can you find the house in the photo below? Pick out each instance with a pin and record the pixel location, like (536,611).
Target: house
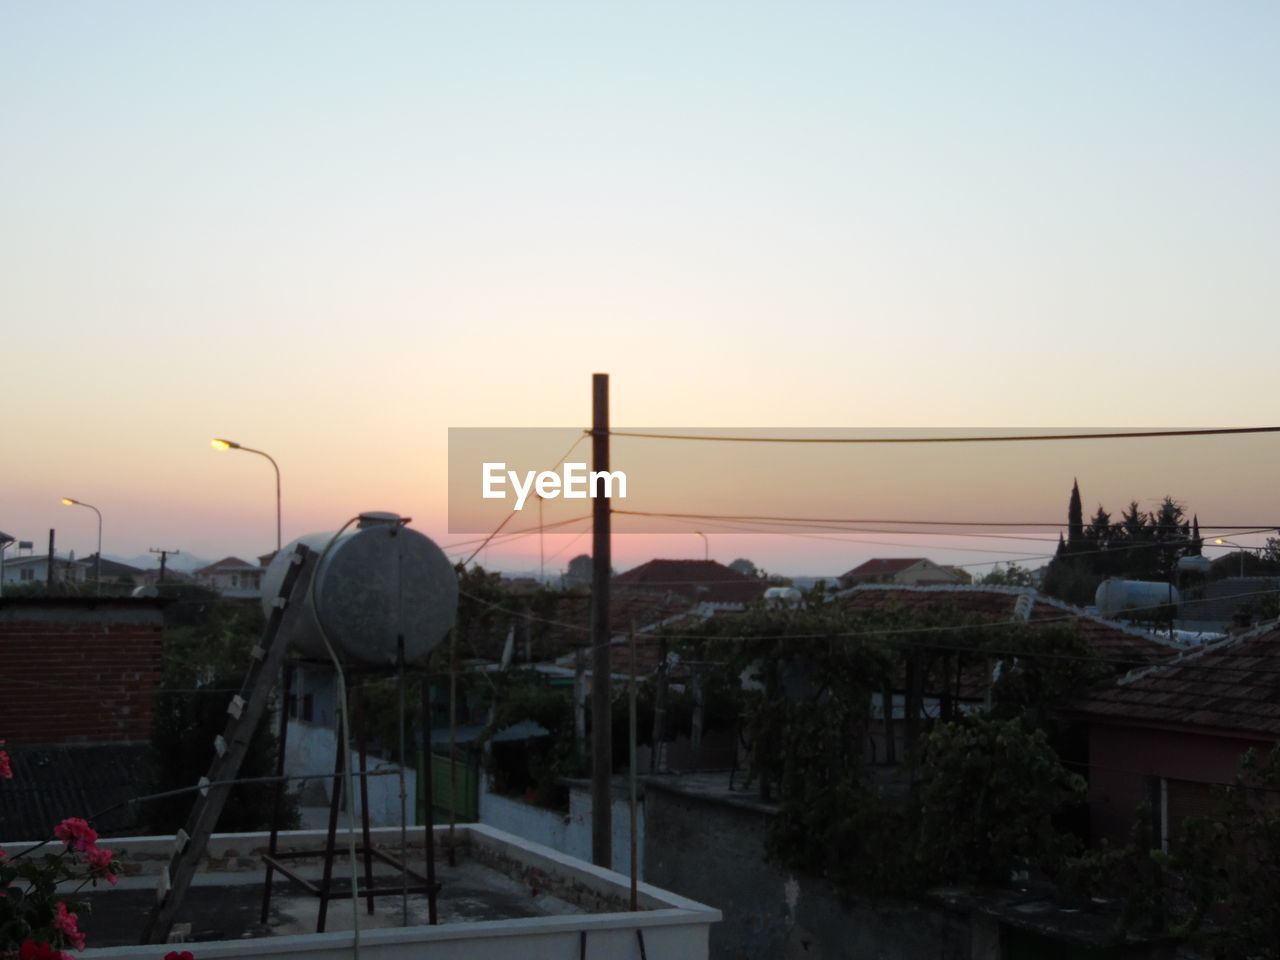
(696,580)
(1118,645)
(232,577)
(903,571)
(1167,734)
(112,571)
(27,568)
(80,675)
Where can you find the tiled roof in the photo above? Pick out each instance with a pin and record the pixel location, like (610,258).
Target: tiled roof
(227,563)
(1233,685)
(1109,640)
(52,783)
(695,579)
(558,629)
(882,567)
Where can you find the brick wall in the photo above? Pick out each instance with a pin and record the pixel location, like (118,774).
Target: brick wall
(78,670)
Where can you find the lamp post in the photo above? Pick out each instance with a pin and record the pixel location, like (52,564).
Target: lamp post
(219,444)
(97,560)
(1229,543)
(706,544)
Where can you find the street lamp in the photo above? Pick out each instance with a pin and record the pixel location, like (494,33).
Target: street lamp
(97,560)
(706,544)
(219,444)
(1229,543)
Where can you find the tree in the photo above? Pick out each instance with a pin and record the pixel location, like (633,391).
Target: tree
(580,573)
(1012,575)
(203,665)
(744,567)
(1075,520)
(989,790)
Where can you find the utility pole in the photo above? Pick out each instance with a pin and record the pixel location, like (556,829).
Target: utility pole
(164,555)
(48,569)
(601,669)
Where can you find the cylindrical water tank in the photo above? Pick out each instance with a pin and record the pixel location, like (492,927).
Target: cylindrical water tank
(374,584)
(1199,565)
(1143,598)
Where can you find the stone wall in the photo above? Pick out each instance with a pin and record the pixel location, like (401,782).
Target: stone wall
(712,851)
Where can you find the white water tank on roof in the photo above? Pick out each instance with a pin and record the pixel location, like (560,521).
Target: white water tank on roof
(783,596)
(1139,599)
(374,584)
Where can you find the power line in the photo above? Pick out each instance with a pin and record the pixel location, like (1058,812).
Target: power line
(1116,435)
(563,457)
(1253,527)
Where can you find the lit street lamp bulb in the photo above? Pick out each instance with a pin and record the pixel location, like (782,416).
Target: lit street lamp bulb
(68,501)
(222,444)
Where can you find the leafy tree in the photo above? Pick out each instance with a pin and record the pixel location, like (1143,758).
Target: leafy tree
(204,664)
(743,566)
(1011,575)
(580,572)
(988,792)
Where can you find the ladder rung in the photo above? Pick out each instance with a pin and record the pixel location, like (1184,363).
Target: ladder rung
(220,745)
(203,784)
(257,652)
(236,706)
(162,888)
(180,841)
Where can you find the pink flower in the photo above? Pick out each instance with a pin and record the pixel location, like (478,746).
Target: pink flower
(65,922)
(30,950)
(76,834)
(99,860)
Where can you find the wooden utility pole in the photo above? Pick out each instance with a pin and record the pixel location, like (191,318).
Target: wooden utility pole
(601,669)
(164,556)
(49,576)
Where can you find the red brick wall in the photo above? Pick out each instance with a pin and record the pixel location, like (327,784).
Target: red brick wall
(78,672)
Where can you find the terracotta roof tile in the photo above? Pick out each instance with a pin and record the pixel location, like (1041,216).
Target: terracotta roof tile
(1232,685)
(695,579)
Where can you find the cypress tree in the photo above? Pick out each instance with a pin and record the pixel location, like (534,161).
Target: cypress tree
(1075,519)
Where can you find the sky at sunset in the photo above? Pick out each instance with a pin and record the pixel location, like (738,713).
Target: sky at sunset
(332,231)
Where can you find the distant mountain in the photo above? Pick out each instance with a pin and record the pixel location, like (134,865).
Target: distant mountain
(151,561)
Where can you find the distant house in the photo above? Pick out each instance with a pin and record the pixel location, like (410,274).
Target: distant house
(903,571)
(1164,735)
(115,572)
(1117,644)
(35,569)
(696,580)
(232,577)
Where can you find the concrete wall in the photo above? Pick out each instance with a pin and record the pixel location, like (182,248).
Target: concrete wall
(674,928)
(713,852)
(78,670)
(569,833)
(312,749)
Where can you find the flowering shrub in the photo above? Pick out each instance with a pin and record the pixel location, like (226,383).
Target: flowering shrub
(36,921)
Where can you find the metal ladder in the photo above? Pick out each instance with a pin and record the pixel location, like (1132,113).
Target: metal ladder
(244,711)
